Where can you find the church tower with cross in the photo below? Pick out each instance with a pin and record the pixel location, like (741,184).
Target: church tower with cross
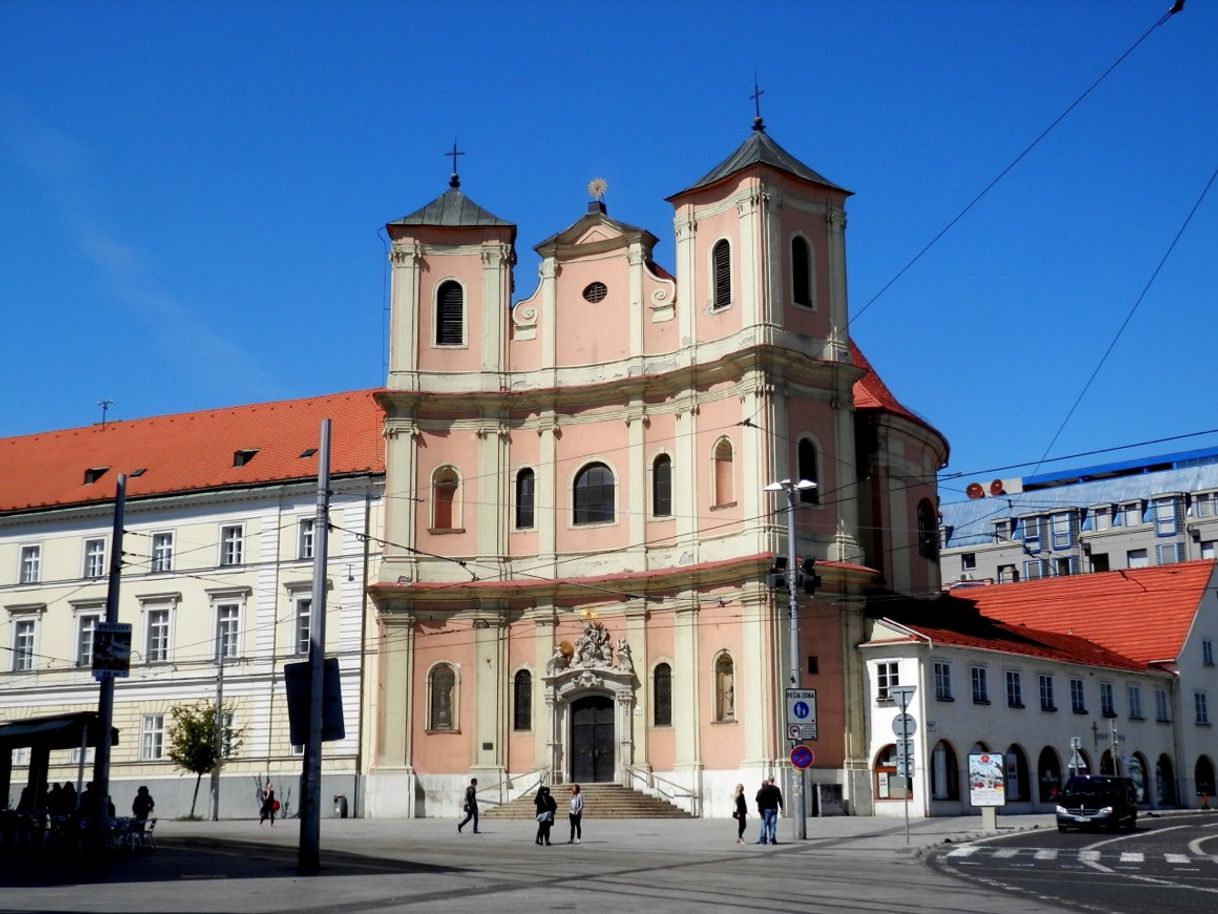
(579,543)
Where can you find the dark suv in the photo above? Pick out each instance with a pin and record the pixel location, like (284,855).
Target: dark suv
(1097,800)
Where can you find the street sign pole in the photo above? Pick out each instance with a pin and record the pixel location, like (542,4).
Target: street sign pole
(904,728)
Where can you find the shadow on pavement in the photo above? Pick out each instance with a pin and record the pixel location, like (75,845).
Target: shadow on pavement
(191,859)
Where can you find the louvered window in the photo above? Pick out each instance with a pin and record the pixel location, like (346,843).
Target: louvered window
(801,272)
(928,530)
(450,314)
(721,268)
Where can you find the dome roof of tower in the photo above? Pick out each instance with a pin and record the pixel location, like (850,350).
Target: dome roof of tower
(760,149)
(453,209)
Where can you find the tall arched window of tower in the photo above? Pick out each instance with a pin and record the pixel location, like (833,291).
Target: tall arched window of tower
(522,700)
(525,485)
(928,530)
(808,471)
(662,695)
(721,274)
(444,506)
(594,495)
(801,271)
(725,491)
(450,314)
(661,486)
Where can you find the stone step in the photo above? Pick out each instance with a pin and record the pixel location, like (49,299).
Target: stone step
(601,801)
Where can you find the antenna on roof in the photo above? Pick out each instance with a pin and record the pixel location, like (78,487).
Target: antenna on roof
(105,405)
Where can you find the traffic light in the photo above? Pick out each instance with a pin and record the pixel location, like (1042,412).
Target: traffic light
(809,577)
(777,578)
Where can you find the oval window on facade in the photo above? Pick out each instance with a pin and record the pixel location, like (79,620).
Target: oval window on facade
(595,292)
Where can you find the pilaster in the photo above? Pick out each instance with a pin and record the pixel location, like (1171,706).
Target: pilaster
(394,692)
(686,263)
(685,684)
(404,315)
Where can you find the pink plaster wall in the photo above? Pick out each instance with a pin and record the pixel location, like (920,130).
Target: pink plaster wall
(466,269)
(719,630)
(605,442)
(443,752)
(587,333)
(437,449)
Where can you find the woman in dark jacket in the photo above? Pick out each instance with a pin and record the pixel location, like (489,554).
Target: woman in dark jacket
(546,807)
(740,814)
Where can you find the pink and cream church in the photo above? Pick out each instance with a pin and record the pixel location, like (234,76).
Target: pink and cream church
(575,586)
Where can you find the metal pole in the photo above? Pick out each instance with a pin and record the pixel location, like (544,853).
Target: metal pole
(309,859)
(105,701)
(218,732)
(801,818)
(904,697)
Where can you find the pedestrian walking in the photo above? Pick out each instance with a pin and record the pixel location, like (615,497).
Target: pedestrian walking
(270,805)
(769,802)
(740,813)
(576,814)
(144,804)
(546,807)
(471,806)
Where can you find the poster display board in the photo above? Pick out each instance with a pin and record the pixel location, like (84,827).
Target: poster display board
(987,779)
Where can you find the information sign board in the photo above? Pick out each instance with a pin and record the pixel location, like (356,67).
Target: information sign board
(801,712)
(987,779)
(111,650)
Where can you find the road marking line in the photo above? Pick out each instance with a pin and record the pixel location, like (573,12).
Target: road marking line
(1089,856)
(962,852)
(1177,858)
(1006,852)
(1132,857)
(1046,854)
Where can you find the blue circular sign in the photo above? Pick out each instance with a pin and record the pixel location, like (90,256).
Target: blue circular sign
(802,757)
(801,709)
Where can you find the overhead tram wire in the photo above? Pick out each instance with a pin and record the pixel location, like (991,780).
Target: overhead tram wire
(1176,7)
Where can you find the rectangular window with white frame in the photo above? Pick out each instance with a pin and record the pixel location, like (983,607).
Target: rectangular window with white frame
(887,675)
(156,638)
(1162,708)
(1133,695)
(1101,519)
(162,552)
(304,624)
(95,558)
(1205,504)
(979,678)
(30,571)
(304,539)
(228,629)
(232,544)
(23,644)
(1063,530)
(1201,706)
(86,627)
(1207,651)
(1137,558)
(1036,568)
(1031,529)
(1047,700)
(1208,550)
(943,681)
(152,737)
(1078,696)
(1107,700)
(968,561)
(1169,553)
(1167,515)
(1014,689)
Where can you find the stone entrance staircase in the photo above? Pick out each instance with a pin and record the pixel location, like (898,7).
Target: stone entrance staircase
(601,801)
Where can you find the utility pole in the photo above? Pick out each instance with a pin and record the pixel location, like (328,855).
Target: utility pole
(218,729)
(792,489)
(105,701)
(309,858)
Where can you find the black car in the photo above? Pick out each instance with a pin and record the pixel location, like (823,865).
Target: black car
(1097,800)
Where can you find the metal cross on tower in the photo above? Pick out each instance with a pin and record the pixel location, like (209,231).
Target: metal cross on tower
(454,181)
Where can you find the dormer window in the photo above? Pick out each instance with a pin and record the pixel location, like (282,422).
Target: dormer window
(93,474)
(721,274)
(450,314)
(595,292)
(241,458)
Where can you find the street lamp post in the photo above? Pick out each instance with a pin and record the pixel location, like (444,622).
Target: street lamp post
(793,489)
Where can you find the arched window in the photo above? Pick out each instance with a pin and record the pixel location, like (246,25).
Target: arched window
(944,772)
(594,495)
(661,486)
(1049,775)
(1137,774)
(725,688)
(450,314)
(928,530)
(807,470)
(444,485)
(662,695)
(1017,788)
(724,477)
(801,272)
(522,700)
(524,499)
(721,274)
(441,685)
(1165,781)
(1203,774)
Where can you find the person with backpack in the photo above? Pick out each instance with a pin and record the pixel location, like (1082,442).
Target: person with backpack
(471,806)
(546,807)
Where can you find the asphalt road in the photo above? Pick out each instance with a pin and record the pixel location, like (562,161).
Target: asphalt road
(1169,863)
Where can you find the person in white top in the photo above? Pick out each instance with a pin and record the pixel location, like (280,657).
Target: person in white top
(576,814)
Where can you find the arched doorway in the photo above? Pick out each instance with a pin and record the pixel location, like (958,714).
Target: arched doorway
(1137,774)
(1049,775)
(1203,775)
(944,772)
(1106,763)
(592,739)
(1165,781)
(1017,787)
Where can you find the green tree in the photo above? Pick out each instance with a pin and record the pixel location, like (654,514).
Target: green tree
(192,742)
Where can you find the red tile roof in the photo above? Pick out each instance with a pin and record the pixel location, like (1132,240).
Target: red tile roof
(1142,613)
(191,451)
(870,392)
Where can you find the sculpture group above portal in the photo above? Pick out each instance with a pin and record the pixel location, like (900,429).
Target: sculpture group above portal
(592,649)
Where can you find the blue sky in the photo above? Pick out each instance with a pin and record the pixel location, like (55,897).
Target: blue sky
(193,191)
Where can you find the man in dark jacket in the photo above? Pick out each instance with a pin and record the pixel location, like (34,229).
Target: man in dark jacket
(769,801)
(471,806)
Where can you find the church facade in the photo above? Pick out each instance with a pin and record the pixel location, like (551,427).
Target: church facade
(578,539)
